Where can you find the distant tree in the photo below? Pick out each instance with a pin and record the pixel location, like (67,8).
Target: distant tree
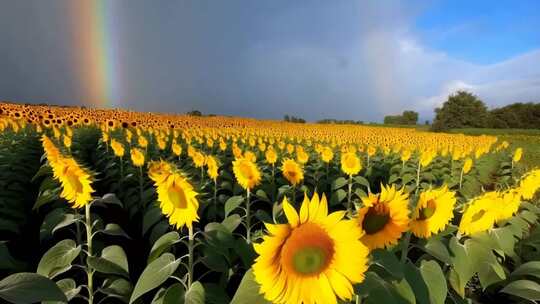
(516,115)
(292,118)
(427,123)
(410,117)
(194,113)
(461,110)
(407,118)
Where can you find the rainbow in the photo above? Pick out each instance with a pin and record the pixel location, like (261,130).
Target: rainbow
(95,56)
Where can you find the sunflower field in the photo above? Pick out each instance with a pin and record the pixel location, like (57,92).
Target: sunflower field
(111,206)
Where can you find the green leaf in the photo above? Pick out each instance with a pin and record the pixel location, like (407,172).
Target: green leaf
(433,275)
(46,197)
(195,294)
(150,218)
(438,250)
(232,222)
(415,280)
(388,261)
(68,287)
(405,291)
(113,260)
(528,269)
(118,288)
(172,295)
(339,183)
(111,199)
(49,222)
(337,197)
(58,259)
(461,266)
(163,244)
(27,288)
(154,275)
(524,289)
(362,181)
(232,203)
(68,219)
(116,230)
(248,291)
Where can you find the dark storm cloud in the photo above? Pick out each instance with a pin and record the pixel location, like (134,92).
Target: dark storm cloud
(339,59)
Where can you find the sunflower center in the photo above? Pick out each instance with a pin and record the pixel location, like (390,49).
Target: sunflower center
(308,251)
(376,218)
(309,260)
(478,215)
(427,211)
(177,196)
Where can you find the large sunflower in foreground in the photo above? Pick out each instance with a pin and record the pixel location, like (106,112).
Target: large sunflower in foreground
(509,202)
(384,217)
(434,210)
(292,171)
(314,258)
(177,200)
(246,172)
(480,214)
(530,184)
(76,182)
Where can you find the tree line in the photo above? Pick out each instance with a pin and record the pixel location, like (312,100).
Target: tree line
(465,110)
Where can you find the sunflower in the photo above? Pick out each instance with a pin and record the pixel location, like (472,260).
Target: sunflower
(529,184)
(434,210)
(405,155)
(467,165)
(426,156)
(198,159)
(158,171)
(384,217)
(271,156)
(327,154)
(292,171)
(117,147)
(480,214)
(246,172)
(509,202)
(67,141)
(301,156)
(350,163)
(137,157)
(176,148)
(212,167)
(314,258)
(517,155)
(251,156)
(51,151)
(177,200)
(142,141)
(75,181)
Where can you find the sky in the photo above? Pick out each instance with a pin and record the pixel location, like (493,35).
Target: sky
(315,59)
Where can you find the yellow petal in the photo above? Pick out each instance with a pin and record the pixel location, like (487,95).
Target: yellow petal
(290,213)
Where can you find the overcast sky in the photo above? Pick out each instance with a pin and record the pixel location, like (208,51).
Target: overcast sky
(316,59)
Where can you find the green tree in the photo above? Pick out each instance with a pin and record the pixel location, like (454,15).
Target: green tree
(461,110)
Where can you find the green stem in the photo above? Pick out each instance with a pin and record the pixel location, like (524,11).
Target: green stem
(460,178)
(405,249)
(141,184)
(89,271)
(248,219)
(121,173)
(417,177)
(349,196)
(190,255)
